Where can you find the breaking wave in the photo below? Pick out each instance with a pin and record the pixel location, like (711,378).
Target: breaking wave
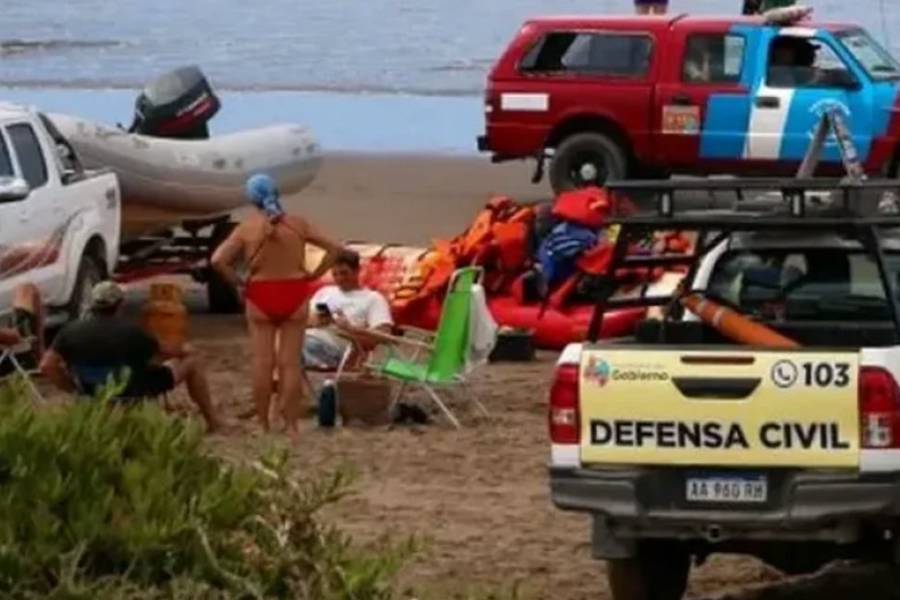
(339,88)
(10,47)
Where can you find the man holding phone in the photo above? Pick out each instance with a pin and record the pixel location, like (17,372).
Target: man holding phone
(345,308)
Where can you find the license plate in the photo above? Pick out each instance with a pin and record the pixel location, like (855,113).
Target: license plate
(736,490)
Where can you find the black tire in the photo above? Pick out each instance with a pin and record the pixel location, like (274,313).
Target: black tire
(585,159)
(223,297)
(659,572)
(90,273)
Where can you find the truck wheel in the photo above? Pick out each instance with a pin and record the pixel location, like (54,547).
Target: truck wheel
(222,296)
(89,275)
(658,572)
(586,159)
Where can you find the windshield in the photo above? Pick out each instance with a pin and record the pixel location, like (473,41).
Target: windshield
(815,284)
(877,62)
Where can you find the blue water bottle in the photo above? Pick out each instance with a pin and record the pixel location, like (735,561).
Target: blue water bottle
(327,412)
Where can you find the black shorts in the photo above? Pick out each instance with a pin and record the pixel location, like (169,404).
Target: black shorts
(150,382)
(26,324)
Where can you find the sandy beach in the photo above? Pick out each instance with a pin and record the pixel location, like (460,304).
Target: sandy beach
(478,497)
(409,199)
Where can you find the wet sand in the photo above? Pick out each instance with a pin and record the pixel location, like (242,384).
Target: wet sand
(409,198)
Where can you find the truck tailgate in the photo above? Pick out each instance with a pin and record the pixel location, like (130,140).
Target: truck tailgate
(721,407)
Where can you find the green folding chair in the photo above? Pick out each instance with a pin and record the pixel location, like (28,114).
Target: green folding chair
(445,361)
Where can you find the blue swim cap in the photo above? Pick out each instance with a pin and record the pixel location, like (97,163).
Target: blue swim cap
(262,191)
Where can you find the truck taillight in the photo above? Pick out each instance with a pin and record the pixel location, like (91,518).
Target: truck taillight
(565,420)
(879,408)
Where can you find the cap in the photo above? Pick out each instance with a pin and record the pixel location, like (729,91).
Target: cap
(262,191)
(106,294)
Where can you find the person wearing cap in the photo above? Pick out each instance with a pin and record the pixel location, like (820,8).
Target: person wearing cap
(273,244)
(104,340)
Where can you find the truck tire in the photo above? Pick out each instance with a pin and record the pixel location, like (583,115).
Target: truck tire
(223,297)
(89,275)
(658,572)
(586,159)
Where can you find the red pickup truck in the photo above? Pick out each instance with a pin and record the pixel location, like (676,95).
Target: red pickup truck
(618,97)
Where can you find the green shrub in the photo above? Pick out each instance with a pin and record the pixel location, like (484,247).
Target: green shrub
(101,502)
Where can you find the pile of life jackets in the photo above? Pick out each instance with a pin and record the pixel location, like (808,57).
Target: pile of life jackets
(535,253)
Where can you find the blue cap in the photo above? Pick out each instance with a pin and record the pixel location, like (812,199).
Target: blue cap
(262,191)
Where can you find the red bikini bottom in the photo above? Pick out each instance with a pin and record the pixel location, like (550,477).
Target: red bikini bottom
(279,299)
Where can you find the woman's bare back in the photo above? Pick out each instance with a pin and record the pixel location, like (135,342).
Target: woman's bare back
(275,251)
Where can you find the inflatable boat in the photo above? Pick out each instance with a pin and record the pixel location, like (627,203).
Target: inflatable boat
(171,170)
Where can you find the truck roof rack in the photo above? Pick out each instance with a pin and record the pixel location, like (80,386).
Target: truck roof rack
(841,206)
(794,203)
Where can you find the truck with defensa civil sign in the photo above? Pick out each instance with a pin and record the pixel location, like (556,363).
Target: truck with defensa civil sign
(610,97)
(759,412)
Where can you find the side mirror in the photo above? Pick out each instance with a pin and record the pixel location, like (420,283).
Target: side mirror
(13,189)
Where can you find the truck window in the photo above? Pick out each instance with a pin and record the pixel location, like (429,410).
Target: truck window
(713,58)
(28,151)
(796,62)
(612,54)
(877,61)
(818,284)
(6,169)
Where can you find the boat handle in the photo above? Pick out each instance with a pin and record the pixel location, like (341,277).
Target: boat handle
(716,388)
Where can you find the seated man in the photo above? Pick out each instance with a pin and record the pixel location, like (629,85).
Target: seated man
(343,308)
(27,322)
(105,341)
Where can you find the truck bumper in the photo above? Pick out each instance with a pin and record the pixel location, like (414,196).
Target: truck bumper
(802,505)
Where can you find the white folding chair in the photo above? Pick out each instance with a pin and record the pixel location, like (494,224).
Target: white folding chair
(9,354)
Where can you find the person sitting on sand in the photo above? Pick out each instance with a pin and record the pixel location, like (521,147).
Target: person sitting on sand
(273,245)
(342,311)
(27,323)
(104,340)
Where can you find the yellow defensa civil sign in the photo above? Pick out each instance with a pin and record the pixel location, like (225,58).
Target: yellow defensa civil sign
(719,407)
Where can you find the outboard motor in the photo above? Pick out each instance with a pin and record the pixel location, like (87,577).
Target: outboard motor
(178,104)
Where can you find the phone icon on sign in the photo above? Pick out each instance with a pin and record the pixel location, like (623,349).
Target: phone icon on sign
(784,373)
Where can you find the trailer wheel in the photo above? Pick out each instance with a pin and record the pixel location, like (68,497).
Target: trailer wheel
(658,572)
(223,297)
(586,159)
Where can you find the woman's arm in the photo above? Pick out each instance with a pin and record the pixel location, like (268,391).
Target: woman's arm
(331,248)
(227,254)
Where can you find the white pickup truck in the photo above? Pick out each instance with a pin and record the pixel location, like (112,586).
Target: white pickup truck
(59,224)
(682,442)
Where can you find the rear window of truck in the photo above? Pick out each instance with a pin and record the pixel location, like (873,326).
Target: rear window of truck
(592,53)
(815,284)
(28,150)
(713,58)
(6,169)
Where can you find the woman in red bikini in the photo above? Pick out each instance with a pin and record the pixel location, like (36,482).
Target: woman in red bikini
(277,292)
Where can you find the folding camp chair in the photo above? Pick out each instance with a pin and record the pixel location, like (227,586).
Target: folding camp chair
(9,355)
(445,360)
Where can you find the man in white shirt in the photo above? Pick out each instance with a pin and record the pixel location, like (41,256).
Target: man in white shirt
(345,307)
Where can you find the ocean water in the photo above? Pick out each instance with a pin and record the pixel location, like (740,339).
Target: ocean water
(401,75)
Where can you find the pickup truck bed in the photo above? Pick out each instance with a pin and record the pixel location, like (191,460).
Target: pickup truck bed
(683,442)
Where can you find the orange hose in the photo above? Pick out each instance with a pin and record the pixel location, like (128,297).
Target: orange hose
(734,325)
